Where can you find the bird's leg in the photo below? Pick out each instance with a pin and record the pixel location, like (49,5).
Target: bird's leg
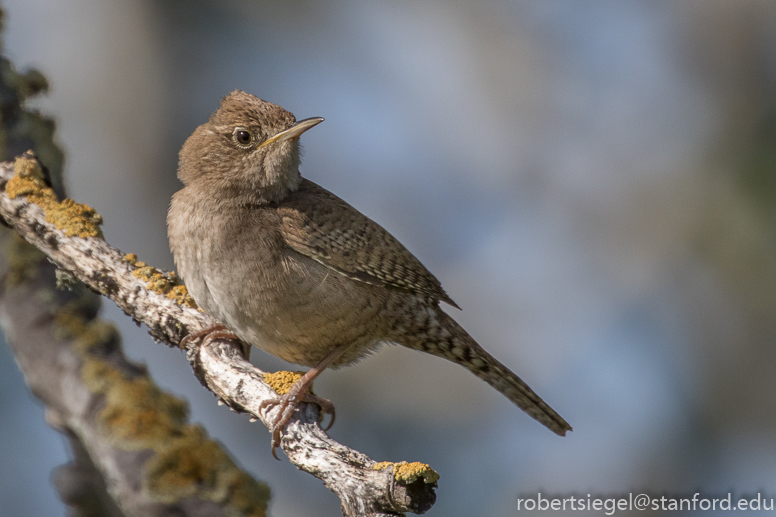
(300,392)
(217,332)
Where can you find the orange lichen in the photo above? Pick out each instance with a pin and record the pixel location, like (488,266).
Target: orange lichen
(409,472)
(73,218)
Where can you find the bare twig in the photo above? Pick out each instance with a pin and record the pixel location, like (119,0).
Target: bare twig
(148,296)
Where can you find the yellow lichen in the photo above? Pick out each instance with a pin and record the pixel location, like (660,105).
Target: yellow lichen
(407,473)
(159,284)
(194,465)
(146,273)
(162,283)
(282,381)
(73,218)
(180,295)
(28,179)
(87,335)
(98,333)
(99,375)
(131,258)
(411,472)
(177,471)
(138,415)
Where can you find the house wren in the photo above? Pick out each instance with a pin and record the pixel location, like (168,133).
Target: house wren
(292,269)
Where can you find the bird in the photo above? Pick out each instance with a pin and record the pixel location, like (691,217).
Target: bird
(292,269)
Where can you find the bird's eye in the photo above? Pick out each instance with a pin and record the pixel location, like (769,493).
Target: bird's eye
(242,136)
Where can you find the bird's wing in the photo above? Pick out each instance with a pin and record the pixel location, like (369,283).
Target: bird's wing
(318,224)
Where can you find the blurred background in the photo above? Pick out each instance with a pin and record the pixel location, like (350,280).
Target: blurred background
(593,182)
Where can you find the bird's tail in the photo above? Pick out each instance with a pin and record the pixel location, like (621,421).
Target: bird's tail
(444,337)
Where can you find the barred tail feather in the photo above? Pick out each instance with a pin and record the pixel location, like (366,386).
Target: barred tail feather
(451,341)
(489,369)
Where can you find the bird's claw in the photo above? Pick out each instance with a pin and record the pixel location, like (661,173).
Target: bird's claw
(216,332)
(288,404)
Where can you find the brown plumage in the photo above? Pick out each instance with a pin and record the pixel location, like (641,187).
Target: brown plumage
(320,225)
(297,272)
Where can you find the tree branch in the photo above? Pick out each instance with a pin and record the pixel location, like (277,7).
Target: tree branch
(68,234)
(135,455)
(133,452)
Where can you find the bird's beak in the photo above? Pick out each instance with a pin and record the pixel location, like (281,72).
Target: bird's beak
(294,131)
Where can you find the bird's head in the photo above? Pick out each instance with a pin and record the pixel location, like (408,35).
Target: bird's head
(249,146)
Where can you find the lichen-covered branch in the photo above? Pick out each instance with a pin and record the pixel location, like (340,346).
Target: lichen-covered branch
(135,454)
(57,340)
(68,233)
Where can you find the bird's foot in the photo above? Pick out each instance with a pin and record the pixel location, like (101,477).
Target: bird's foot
(299,393)
(217,332)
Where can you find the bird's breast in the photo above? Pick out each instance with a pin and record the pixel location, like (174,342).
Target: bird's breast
(236,266)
